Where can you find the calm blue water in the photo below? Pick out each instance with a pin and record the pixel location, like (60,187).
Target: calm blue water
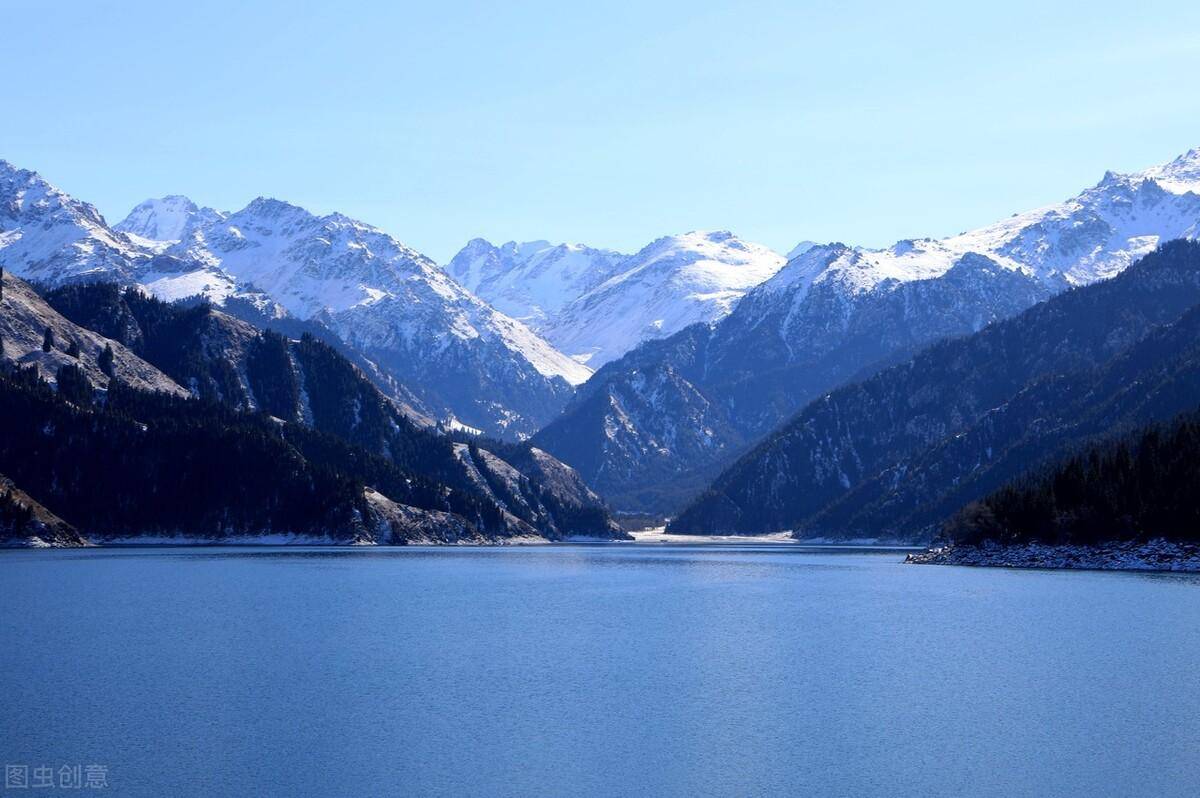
(595,671)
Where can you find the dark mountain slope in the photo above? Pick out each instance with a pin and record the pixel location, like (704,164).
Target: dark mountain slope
(650,429)
(1151,380)
(1142,486)
(862,430)
(146,464)
(310,384)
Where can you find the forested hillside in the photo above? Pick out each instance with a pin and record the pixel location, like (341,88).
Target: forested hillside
(1140,487)
(325,454)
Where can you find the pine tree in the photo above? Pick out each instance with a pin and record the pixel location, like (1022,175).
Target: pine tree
(73,349)
(105,361)
(48,340)
(73,385)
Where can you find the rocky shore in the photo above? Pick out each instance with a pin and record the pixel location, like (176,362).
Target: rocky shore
(1154,555)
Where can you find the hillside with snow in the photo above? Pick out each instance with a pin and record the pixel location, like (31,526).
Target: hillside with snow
(595,305)
(463,360)
(462,357)
(838,313)
(673,282)
(48,236)
(1090,237)
(534,280)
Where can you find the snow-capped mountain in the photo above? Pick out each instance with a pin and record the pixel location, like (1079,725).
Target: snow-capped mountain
(48,236)
(1090,237)
(92,337)
(837,313)
(596,304)
(158,223)
(671,283)
(462,357)
(464,360)
(534,280)
(896,454)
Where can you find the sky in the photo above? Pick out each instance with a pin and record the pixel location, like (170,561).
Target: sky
(610,124)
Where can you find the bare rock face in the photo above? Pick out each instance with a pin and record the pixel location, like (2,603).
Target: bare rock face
(391,523)
(24,522)
(539,494)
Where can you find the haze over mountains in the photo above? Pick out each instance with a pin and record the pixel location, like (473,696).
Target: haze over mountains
(650,373)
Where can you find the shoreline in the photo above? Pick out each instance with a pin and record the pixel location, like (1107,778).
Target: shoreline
(1154,555)
(655,536)
(658,535)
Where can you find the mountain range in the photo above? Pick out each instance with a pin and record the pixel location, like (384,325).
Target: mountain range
(595,305)
(130,417)
(894,455)
(652,428)
(664,378)
(478,345)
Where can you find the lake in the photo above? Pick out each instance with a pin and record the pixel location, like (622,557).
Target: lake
(595,670)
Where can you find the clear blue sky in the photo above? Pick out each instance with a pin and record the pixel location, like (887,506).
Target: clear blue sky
(605,123)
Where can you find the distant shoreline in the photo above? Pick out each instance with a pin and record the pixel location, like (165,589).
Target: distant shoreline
(658,534)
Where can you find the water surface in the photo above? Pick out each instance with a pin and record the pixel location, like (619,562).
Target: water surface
(601,670)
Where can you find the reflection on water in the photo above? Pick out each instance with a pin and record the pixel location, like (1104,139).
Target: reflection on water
(596,670)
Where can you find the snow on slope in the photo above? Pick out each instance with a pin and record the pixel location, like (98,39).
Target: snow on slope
(1089,237)
(461,358)
(46,235)
(157,223)
(671,283)
(327,265)
(534,280)
(835,313)
(24,319)
(1180,175)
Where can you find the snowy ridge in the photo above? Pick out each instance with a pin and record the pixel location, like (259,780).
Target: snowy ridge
(459,356)
(1180,176)
(157,223)
(456,354)
(597,304)
(835,314)
(1090,237)
(670,284)
(328,265)
(534,280)
(47,235)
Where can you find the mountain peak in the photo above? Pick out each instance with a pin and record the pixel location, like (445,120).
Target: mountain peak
(671,283)
(7,168)
(1180,176)
(531,280)
(166,219)
(270,207)
(800,249)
